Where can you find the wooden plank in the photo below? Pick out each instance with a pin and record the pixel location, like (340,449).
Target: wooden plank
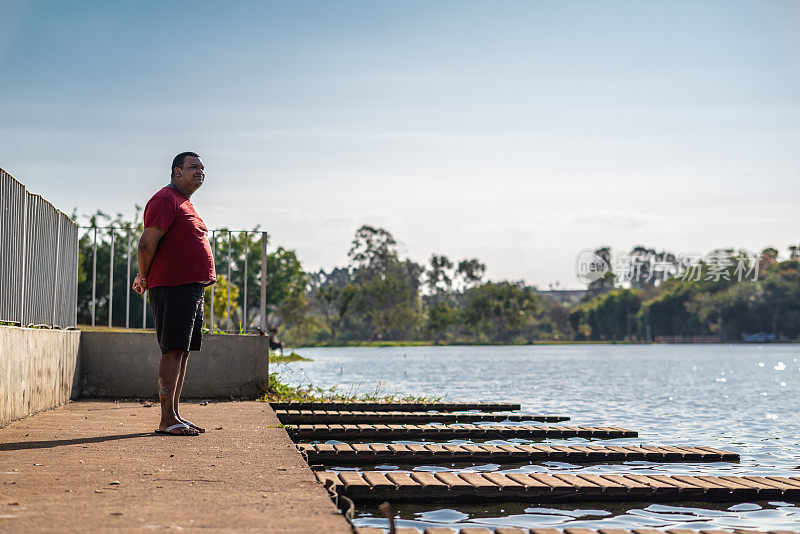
(481,485)
(363,449)
(380,449)
(428,480)
(661,452)
(529,482)
(579,483)
(402,480)
(681,485)
(401,431)
(508,486)
(455,449)
(400,406)
(606,486)
(577,530)
(352,480)
(378,480)
(655,485)
(552,482)
(454,483)
(711,487)
(626,482)
(558,487)
(763,489)
(786,480)
(436,449)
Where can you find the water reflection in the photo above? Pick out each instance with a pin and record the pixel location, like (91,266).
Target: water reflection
(765,516)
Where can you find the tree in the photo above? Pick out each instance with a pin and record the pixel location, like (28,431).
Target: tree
(500,309)
(372,250)
(389,304)
(286,288)
(441,317)
(470,273)
(438,276)
(334,302)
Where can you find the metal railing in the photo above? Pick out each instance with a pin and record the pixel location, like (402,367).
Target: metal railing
(38,259)
(238,271)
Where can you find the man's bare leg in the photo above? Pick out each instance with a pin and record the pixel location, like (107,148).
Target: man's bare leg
(169,371)
(179,388)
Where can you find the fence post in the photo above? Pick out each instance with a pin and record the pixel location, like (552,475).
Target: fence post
(264,283)
(55,270)
(24,257)
(111,280)
(228,308)
(213,286)
(94,275)
(128,281)
(244,300)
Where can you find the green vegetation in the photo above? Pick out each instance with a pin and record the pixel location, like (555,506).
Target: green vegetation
(274,357)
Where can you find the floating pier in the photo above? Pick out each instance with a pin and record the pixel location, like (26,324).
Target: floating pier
(372,486)
(438,432)
(394,417)
(400,406)
(367,454)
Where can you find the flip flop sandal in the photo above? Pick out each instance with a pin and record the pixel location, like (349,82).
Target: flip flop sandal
(194,426)
(168,430)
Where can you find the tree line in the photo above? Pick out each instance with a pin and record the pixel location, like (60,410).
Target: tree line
(379,296)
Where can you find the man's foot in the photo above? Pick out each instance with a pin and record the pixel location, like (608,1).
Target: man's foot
(177,429)
(194,426)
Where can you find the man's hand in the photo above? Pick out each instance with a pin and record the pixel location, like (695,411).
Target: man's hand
(140,284)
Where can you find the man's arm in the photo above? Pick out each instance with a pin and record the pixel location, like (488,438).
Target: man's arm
(146,251)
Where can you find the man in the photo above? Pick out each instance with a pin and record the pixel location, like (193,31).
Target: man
(175,265)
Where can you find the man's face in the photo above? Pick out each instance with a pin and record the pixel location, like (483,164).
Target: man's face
(190,177)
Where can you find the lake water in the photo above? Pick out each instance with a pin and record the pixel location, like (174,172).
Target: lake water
(743,398)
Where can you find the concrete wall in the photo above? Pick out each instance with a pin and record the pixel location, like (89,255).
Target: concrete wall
(37,370)
(125,364)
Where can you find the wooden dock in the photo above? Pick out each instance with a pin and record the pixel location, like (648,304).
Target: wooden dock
(399,417)
(372,486)
(439,432)
(400,406)
(368,454)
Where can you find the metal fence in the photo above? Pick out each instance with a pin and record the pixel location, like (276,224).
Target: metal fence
(38,259)
(117,246)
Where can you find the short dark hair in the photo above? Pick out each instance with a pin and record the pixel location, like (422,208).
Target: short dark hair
(178,161)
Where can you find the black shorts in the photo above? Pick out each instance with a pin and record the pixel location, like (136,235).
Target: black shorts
(178,315)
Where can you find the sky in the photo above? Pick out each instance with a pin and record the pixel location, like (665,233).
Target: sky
(517,132)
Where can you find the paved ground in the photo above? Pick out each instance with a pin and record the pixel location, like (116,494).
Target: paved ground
(97,466)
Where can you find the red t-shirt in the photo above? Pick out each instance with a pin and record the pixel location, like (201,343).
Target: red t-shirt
(183,255)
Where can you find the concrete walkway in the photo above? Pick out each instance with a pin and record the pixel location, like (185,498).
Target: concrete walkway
(97,466)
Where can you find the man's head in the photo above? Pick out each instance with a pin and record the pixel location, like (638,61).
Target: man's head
(187,172)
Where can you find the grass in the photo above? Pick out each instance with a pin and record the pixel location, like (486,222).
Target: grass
(293,357)
(280,391)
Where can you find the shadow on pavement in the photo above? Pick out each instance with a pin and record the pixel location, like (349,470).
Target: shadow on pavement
(23,445)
